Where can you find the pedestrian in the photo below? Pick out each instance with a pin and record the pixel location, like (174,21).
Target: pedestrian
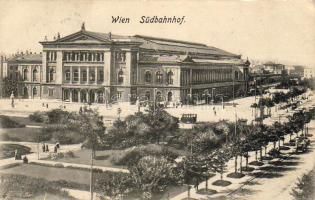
(25,160)
(43,147)
(16,154)
(47,149)
(58,145)
(43,104)
(55,149)
(47,105)
(196,184)
(215,113)
(80,110)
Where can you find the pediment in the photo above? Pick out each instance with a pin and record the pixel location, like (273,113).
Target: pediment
(82,37)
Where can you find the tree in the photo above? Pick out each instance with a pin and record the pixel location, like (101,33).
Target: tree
(153,174)
(91,126)
(12,84)
(219,160)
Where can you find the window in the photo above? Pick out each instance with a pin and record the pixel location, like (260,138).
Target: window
(50,92)
(67,75)
(92,75)
(147,95)
(35,73)
(25,74)
(51,74)
(159,77)
(120,77)
(121,56)
(101,75)
(34,91)
(84,75)
(170,77)
(119,94)
(76,75)
(148,77)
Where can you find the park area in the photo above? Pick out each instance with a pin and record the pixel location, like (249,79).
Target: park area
(145,155)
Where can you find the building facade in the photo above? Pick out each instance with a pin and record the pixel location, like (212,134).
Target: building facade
(102,67)
(309,72)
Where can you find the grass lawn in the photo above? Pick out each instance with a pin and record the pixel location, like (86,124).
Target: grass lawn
(18,134)
(50,173)
(83,156)
(8,150)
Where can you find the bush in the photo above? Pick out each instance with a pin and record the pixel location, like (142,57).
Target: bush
(131,156)
(7,122)
(304,189)
(8,150)
(40,117)
(57,116)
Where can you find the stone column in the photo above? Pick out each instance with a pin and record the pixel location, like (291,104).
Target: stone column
(71,76)
(79,75)
(70,97)
(88,75)
(59,67)
(107,67)
(44,66)
(96,74)
(79,95)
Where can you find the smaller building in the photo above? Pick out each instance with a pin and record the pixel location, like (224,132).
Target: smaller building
(309,72)
(274,68)
(27,70)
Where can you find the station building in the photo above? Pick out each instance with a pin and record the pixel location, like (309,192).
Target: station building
(103,67)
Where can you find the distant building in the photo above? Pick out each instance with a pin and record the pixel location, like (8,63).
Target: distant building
(274,68)
(309,72)
(102,67)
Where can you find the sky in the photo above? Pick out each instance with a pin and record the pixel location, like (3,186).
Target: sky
(274,30)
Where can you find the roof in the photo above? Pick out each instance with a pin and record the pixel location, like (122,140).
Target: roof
(185,59)
(144,42)
(26,58)
(162,44)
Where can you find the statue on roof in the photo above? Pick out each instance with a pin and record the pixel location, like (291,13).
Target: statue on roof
(83,26)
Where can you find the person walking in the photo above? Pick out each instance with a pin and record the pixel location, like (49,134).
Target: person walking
(16,154)
(47,149)
(55,149)
(43,147)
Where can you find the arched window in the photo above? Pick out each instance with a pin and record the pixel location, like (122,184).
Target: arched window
(51,74)
(170,77)
(34,91)
(236,76)
(120,77)
(35,73)
(67,75)
(25,74)
(148,77)
(76,75)
(159,77)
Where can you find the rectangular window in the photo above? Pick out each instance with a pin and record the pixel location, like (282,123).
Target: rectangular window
(50,92)
(119,94)
(101,75)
